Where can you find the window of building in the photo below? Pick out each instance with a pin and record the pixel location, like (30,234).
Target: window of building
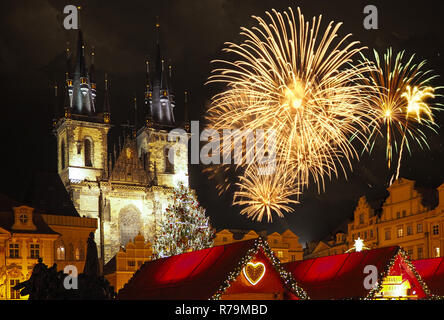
(435,229)
(404,213)
(275,241)
(35,250)
(437,252)
(14,294)
(361,218)
(77,254)
(280,254)
(365,235)
(293,257)
(23,218)
(62,155)
(410,252)
(60,252)
(409,230)
(419,228)
(14,250)
(398,215)
(400,232)
(131,263)
(371,233)
(420,250)
(224,239)
(88,153)
(387,235)
(169,160)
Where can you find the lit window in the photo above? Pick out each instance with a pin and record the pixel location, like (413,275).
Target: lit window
(419,228)
(35,251)
(60,252)
(280,254)
(14,294)
(435,229)
(77,254)
(14,250)
(437,252)
(400,232)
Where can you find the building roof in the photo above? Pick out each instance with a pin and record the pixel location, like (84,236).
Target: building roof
(341,276)
(198,275)
(7,218)
(432,272)
(47,194)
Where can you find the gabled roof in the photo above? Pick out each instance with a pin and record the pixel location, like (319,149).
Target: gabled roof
(432,272)
(7,218)
(200,275)
(341,276)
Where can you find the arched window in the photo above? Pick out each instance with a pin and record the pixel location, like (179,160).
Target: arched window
(62,155)
(77,254)
(169,160)
(60,252)
(129,224)
(88,153)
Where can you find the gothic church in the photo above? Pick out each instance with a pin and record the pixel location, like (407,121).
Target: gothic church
(129,187)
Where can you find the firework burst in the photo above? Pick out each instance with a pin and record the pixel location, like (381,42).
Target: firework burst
(401,88)
(296,80)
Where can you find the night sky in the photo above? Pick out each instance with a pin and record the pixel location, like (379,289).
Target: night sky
(193,33)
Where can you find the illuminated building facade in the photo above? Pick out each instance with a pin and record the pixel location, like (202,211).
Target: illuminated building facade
(27,234)
(285,245)
(410,217)
(129,187)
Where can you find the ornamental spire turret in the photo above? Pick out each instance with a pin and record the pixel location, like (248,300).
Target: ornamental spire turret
(92,75)
(82,99)
(106,106)
(56,106)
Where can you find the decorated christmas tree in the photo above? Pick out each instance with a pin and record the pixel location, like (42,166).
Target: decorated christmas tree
(184,226)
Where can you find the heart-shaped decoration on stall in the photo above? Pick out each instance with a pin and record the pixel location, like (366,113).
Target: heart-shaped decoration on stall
(254,272)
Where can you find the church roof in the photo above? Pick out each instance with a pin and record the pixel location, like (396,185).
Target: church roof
(341,276)
(432,272)
(202,274)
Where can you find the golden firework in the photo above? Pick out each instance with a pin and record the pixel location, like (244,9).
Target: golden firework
(401,88)
(295,79)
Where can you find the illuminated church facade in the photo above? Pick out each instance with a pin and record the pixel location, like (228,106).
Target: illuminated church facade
(125,187)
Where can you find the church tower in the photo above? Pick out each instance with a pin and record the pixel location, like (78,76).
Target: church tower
(81,132)
(128,188)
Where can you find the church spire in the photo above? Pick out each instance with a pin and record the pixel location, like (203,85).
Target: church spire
(162,105)
(56,106)
(82,100)
(92,75)
(135,117)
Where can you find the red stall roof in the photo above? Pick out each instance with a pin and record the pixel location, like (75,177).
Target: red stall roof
(342,276)
(432,272)
(198,275)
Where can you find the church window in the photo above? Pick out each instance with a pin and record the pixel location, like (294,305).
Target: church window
(169,161)
(129,224)
(88,153)
(62,154)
